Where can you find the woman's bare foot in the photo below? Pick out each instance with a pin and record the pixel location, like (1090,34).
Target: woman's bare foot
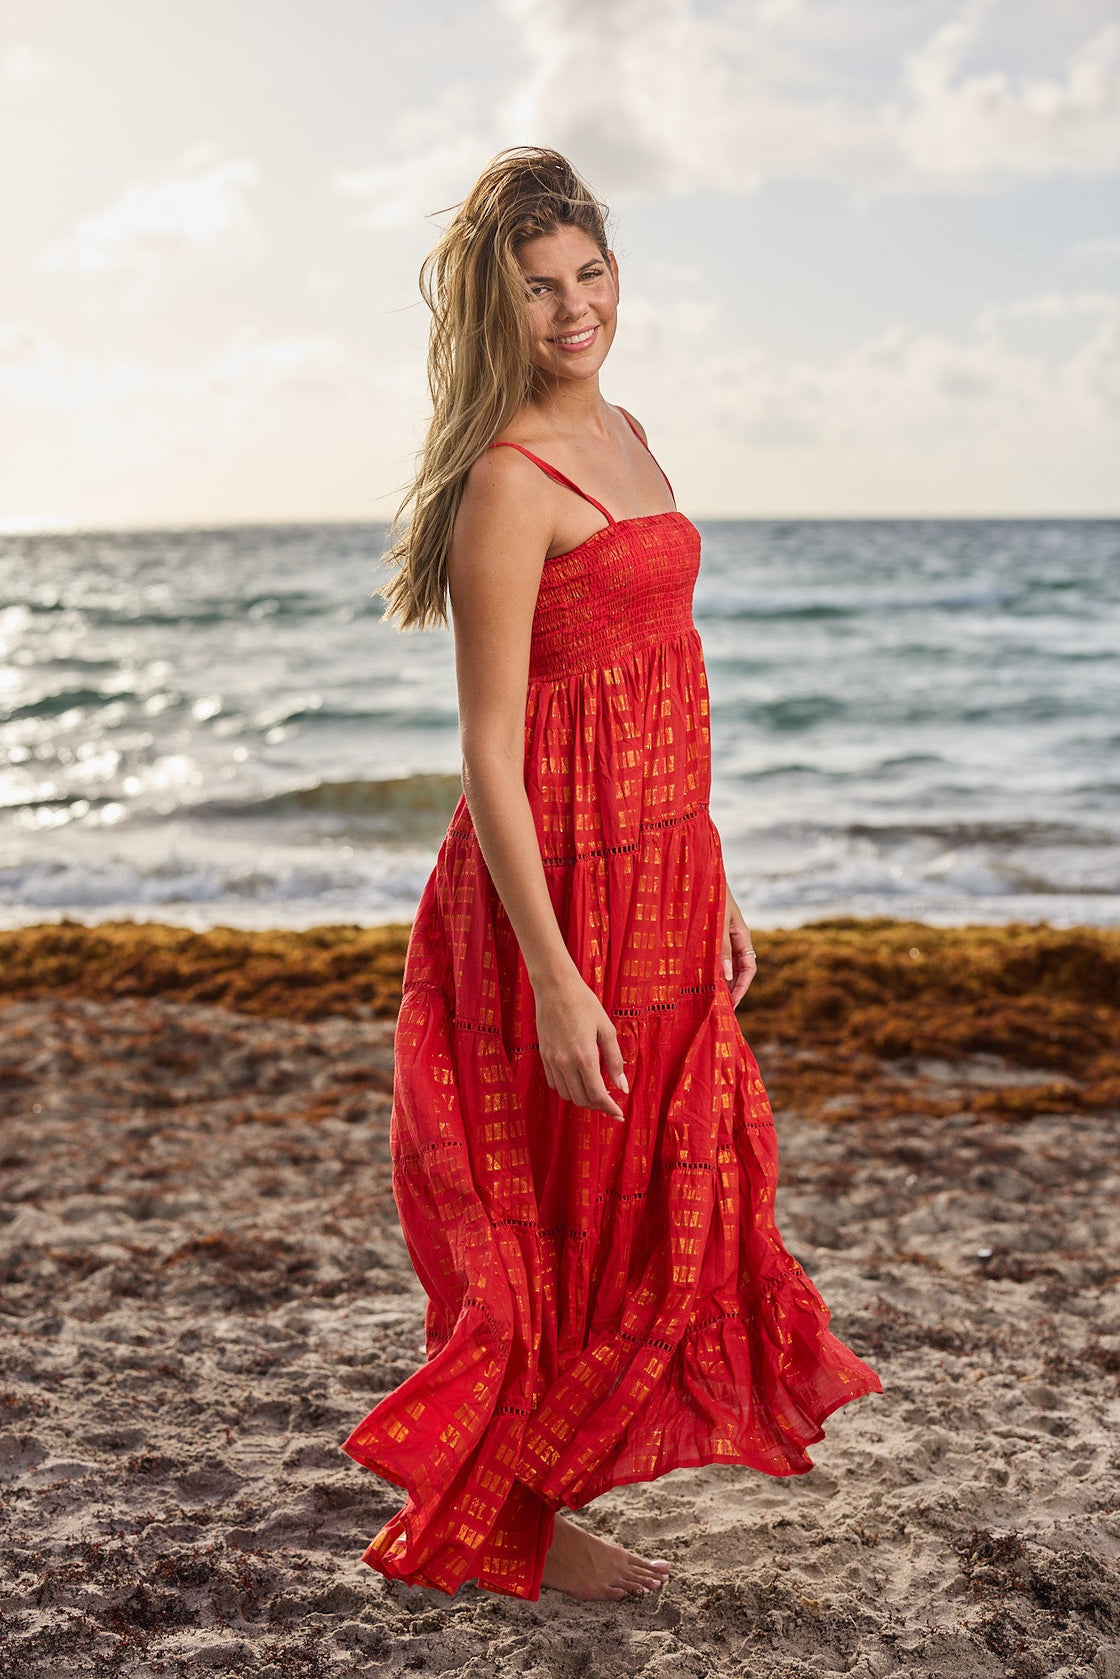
(593,1569)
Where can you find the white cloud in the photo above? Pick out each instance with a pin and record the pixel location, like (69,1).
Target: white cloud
(999,418)
(36,374)
(636,88)
(199,208)
(253,372)
(659,96)
(1096,250)
(1053,305)
(21,65)
(268,426)
(960,127)
(439,150)
(904,421)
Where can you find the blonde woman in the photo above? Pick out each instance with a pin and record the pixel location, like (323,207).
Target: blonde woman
(584,1154)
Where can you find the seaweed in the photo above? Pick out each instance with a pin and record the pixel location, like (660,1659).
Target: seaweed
(851,1018)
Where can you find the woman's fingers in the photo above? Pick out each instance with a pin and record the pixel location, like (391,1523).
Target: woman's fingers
(571,1057)
(559,1083)
(739,963)
(595,1093)
(584,1074)
(744,958)
(583,1086)
(613,1064)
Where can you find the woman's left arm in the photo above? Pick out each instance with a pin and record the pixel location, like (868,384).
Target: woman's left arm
(738,951)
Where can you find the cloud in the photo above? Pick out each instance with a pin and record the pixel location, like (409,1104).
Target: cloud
(960,127)
(21,65)
(268,426)
(440,149)
(36,374)
(656,96)
(245,380)
(666,96)
(905,420)
(1001,417)
(1052,305)
(199,208)
(1096,250)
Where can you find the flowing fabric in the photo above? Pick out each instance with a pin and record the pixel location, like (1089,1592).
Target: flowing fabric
(606,1301)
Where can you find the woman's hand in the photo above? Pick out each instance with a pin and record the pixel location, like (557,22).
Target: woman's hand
(572,1028)
(738,955)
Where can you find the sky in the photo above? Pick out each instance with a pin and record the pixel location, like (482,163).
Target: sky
(869,252)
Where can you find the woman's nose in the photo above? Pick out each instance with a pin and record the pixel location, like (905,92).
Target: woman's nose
(569,304)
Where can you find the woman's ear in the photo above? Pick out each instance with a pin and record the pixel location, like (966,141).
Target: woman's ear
(614,269)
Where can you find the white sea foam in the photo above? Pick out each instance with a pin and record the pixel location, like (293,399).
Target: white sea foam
(907,718)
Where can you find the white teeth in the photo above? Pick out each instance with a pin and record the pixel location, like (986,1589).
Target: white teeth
(578,337)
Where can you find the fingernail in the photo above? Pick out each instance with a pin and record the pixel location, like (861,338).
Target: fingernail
(622,1084)
(727,967)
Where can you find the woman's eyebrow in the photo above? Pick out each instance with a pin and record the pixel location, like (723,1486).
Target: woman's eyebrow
(535,279)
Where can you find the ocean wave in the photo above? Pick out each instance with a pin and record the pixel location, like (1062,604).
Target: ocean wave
(402,716)
(426,794)
(791,772)
(224,612)
(999,836)
(114,884)
(786,716)
(856,775)
(64,699)
(724,606)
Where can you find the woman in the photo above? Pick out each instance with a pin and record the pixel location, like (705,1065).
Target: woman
(584,1155)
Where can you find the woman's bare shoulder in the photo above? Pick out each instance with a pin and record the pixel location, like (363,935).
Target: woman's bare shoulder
(637,424)
(499,474)
(501,495)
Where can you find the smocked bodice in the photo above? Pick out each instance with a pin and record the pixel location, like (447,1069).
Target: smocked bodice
(626,587)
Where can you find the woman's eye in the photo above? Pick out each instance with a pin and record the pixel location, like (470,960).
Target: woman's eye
(589,274)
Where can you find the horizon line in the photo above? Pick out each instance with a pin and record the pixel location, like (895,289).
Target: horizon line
(47,526)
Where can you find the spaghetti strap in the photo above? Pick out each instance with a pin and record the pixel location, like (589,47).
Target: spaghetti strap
(554,473)
(648,451)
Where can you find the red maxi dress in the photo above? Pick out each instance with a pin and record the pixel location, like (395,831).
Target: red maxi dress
(607,1301)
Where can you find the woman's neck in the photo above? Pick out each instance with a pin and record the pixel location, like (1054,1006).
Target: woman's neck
(572,405)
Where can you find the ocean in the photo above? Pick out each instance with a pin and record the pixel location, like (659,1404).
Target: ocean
(212,727)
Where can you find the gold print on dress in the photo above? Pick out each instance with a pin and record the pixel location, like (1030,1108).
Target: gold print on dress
(581,1272)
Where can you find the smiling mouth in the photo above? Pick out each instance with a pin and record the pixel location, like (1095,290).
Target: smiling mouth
(577,340)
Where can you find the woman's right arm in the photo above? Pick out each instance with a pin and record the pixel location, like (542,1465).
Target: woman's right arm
(502,533)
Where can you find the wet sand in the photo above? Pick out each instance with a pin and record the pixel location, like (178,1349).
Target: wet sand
(203,1287)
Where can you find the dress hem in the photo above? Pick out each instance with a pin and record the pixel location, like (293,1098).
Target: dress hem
(417,1577)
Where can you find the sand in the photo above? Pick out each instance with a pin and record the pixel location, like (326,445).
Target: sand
(203,1288)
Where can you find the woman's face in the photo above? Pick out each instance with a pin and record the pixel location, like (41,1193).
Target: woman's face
(572,297)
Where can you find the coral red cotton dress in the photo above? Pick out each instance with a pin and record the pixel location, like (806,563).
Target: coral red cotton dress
(607,1300)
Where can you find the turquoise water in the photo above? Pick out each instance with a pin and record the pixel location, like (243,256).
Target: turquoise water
(909,718)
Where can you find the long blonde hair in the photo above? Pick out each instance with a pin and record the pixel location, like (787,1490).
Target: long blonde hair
(480,365)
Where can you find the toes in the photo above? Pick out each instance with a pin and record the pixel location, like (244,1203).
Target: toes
(648,1571)
(641,1582)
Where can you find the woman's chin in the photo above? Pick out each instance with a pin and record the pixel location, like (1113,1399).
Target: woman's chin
(575,368)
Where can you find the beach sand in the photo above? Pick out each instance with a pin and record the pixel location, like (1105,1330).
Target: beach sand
(203,1288)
